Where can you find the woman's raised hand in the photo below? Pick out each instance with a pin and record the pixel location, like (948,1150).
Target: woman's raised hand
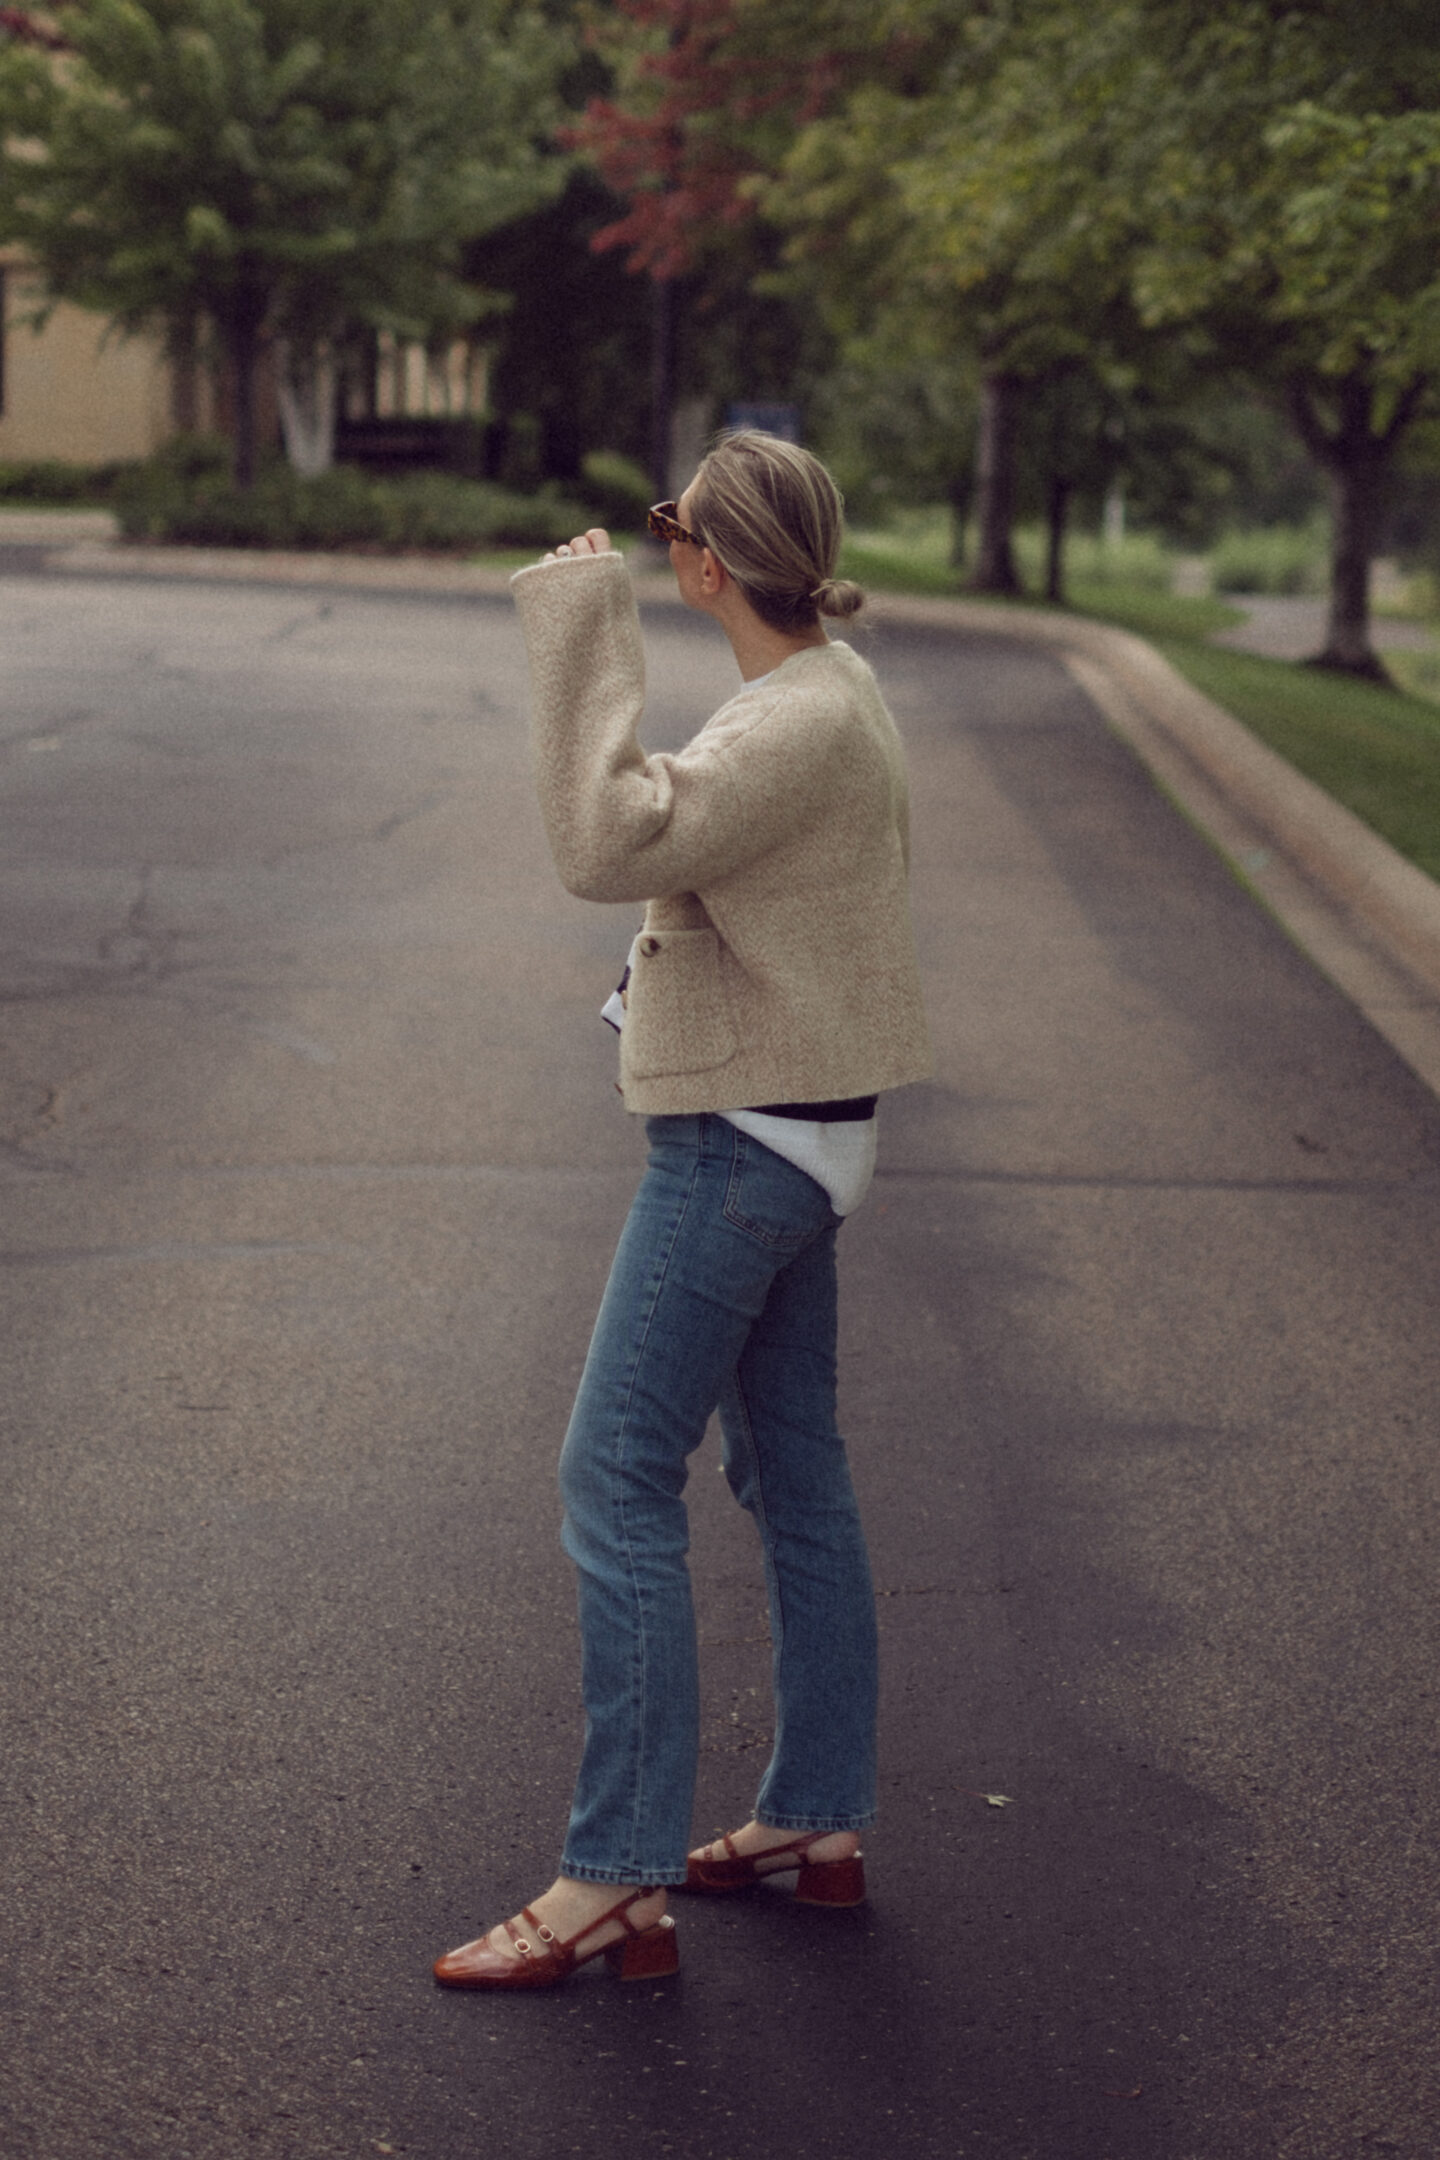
(594,542)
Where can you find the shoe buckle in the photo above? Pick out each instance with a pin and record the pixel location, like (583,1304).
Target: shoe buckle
(547,1935)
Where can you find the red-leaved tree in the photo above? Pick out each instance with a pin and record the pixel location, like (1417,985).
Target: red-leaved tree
(708,95)
(21,28)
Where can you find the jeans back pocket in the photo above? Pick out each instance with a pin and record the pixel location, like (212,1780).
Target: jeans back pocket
(774,1200)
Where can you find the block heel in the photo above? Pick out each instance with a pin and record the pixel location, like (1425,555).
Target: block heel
(831,1882)
(653,1955)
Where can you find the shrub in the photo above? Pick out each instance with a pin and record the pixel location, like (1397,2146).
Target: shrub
(54,480)
(918,542)
(1137,561)
(1277,559)
(191,457)
(617,488)
(438,511)
(522,457)
(342,508)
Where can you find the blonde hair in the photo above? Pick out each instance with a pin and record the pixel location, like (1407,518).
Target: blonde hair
(773,517)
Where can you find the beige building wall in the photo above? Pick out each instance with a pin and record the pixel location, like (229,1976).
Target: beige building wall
(75,389)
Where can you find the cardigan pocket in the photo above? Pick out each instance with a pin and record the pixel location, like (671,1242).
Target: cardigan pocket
(678,1018)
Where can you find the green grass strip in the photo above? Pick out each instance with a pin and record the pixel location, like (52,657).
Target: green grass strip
(1375,750)
(1153,615)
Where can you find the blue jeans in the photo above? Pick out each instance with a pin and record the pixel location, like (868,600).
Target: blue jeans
(722,1293)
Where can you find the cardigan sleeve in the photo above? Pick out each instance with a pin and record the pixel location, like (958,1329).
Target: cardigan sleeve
(624,825)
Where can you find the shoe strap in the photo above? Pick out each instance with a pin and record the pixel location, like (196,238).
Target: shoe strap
(523,1946)
(619,1911)
(806,1837)
(813,1837)
(622,1912)
(800,1844)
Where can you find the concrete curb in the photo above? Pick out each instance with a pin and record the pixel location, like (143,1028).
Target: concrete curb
(1364,914)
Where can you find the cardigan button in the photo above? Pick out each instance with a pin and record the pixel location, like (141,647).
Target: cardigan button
(649,946)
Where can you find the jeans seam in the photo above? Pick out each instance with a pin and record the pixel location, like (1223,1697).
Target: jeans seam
(762,1523)
(638,1675)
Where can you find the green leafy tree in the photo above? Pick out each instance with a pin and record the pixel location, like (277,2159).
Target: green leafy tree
(1158,190)
(1262,182)
(946,206)
(283,169)
(1289,168)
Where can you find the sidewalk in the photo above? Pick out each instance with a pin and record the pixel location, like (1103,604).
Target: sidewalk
(1367,917)
(1293,628)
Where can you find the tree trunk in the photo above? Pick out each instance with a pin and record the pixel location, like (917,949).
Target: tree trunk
(995,484)
(961,494)
(1355,448)
(369,347)
(306,389)
(1057,512)
(182,350)
(241,327)
(1356,485)
(244,355)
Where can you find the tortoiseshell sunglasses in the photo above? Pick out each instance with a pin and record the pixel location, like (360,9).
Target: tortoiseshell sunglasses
(663,522)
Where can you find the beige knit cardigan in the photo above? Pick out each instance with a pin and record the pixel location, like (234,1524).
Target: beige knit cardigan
(776,962)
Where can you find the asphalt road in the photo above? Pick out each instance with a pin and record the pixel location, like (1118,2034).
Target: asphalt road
(310,1164)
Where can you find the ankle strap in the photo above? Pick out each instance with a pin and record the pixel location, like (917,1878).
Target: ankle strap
(619,1911)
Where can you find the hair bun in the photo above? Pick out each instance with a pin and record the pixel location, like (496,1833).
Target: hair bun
(838,596)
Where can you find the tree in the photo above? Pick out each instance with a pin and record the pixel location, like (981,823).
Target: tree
(1284,170)
(19,26)
(949,203)
(1246,188)
(285,169)
(1136,197)
(588,390)
(705,96)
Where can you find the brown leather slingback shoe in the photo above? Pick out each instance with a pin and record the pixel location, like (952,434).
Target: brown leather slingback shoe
(820,1882)
(541,1959)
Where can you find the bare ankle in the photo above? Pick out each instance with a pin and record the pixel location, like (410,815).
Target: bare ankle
(757,1838)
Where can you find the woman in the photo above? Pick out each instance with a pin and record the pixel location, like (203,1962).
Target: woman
(772,995)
